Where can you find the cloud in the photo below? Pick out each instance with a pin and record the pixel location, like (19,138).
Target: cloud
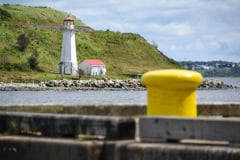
(171,29)
(115,26)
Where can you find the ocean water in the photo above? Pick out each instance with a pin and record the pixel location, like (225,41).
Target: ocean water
(111,97)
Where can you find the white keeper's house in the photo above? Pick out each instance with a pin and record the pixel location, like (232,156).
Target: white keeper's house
(93,67)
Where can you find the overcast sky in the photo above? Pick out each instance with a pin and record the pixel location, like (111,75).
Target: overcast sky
(200,30)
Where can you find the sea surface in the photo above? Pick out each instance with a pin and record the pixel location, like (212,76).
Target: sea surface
(112,97)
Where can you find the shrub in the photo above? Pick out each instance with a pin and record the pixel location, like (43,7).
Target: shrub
(5,63)
(33,60)
(4,15)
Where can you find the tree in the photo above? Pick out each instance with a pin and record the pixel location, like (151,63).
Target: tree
(33,60)
(22,42)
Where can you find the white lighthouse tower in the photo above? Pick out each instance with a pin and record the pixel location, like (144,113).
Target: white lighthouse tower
(68,63)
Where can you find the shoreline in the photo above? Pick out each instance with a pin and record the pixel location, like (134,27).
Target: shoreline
(102,84)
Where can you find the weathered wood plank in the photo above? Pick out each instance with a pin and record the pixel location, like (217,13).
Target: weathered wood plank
(60,125)
(223,109)
(207,109)
(176,128)
(170,151)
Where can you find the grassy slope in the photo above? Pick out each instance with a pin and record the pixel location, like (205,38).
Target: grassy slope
(123,53)
(36,15)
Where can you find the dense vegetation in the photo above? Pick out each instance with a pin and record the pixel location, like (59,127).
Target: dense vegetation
(25,48)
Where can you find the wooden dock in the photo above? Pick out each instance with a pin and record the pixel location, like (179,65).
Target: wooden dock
(48,136)
(207,109)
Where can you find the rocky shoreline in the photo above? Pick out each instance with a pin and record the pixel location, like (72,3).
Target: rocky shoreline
(215,84)
(93,84)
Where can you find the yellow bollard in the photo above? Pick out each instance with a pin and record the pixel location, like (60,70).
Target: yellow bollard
(172,92)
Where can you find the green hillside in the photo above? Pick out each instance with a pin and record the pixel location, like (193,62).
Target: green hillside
(25,46)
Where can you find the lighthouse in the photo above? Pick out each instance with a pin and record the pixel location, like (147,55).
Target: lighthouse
(68,63)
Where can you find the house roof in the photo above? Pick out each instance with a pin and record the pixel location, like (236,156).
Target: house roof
(68,19)
(95,62)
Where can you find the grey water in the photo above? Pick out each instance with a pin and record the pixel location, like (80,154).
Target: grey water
(111,97)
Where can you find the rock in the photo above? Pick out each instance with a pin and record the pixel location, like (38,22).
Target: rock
(214,84)
(94,84)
